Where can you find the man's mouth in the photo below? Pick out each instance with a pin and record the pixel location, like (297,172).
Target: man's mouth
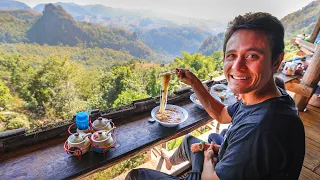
(239,77)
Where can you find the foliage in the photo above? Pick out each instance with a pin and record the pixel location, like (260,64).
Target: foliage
(14,24)
(126,97)
(88,56)
(290,51)
(5,96)
(120,168)
(202,66)
(13,120)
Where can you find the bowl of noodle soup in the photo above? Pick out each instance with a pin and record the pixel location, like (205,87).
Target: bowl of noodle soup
(172,116)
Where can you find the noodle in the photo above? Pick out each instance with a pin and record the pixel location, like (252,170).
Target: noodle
(164,91)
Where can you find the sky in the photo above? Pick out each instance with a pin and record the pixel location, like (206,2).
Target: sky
(206,9)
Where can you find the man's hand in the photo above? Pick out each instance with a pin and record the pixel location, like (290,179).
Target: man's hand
(195,147)
(209,153)
(214,108)
(208,164)
(186,76)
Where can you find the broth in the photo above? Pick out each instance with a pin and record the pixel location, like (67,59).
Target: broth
(169,116)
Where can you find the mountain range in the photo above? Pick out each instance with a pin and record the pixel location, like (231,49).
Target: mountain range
(13,5)
(138,32)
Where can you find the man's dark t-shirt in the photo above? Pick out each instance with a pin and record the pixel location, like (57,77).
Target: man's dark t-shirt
(265,141)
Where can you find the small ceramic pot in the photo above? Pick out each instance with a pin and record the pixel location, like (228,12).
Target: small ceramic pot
(102,124)
(102,141)
(79,141)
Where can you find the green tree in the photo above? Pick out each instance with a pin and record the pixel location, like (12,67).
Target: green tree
(127,97)
(5,96)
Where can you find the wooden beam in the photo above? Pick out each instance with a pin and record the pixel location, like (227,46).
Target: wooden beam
(310,79)
(299,89)
(315,31)
(306,51)
(310,46)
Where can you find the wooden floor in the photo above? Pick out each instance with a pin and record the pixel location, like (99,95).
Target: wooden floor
(311,165)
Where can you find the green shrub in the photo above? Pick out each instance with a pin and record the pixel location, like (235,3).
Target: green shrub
(120,168)
(5,96)
(18,121)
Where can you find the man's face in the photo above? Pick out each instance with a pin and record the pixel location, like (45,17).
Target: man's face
(247,62)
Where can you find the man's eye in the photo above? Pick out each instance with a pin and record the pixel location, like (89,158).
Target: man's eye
(230,56)
(252,56)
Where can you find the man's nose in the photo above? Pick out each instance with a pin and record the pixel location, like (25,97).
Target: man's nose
(239,64)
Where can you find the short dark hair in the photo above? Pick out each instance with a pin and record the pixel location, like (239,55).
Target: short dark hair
(264,22)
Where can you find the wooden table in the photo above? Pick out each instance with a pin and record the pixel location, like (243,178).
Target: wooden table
(286,78)
(137,136)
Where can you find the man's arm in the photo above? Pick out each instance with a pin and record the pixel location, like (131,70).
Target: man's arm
(208,165)
(208,172)
(213,107)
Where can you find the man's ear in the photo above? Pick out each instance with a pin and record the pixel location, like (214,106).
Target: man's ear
(277,63)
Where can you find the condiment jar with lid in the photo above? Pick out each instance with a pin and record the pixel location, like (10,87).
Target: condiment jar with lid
(101,124)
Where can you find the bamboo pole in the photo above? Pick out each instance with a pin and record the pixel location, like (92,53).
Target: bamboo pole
(315,31)
(310,79)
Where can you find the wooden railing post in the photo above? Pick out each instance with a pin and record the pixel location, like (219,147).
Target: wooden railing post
(310,79)
(315,31)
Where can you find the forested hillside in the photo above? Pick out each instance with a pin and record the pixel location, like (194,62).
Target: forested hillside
(301,21)
(162,35)
(211,44)
(39,92)
(14,25)
(56,26)
(173,40)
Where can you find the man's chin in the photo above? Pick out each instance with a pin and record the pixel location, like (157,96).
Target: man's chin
(239,90)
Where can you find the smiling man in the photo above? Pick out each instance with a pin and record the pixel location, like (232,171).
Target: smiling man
(266,137)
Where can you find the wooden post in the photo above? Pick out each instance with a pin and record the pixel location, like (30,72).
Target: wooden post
(310,79)
(315,31)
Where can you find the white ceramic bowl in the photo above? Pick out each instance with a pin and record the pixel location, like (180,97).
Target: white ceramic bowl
(193,98)
(170,106)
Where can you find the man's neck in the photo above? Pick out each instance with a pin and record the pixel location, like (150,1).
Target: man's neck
(270,90)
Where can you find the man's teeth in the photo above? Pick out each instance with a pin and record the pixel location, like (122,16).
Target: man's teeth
(240,78)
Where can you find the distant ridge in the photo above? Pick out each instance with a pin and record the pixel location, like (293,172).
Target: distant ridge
(56,26)
(13,5)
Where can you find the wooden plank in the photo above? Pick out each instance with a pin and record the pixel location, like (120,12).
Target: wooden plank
(312,134)
(132,138)
(299,89)
(307,174)
(312,117)
(313,108)
(306,51)
(312,155)
(310,46)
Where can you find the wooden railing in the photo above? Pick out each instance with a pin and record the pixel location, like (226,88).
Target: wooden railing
(134,133)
